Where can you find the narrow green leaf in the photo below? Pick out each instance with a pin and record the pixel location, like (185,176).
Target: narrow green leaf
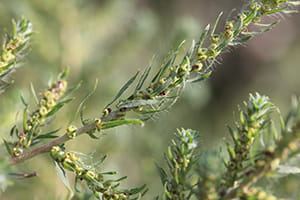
(64,74)
(191,50)
(34,93)
(6,72)
(58,106)
(263,30)
(163,175)
(14,23)
(230,14)
(240,41)
(144,76)
(25,127)
(23,101)
(162,71)
(48,135)
(202,77)
(71,89)
(164,86)
(250,17)
(13,129)
(93,136)
(123,89)
(136,103)
(120,179)
(135,190)
(275,11)
(79,109)
(7,146)
(203,35)
(30,133)
(215,24)
(116,123)
(63,176)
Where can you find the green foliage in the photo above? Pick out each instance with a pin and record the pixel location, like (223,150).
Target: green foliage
(189,173)
(13,49)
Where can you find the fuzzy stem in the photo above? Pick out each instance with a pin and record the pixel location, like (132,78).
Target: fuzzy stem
(47,147)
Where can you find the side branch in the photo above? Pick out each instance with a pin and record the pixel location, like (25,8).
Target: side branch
(47,147)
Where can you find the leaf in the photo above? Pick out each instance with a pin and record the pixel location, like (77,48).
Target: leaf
(58,106)
(163,175)
(116,123)
(240,41)
(275,11)
(5,72)
(123,89)
(202,77)
(164,69)
(191,50)
(23,101)
(164,86)
(79,109)
(7,146)
(263,30)
(135,190)
(93,136)
(13,129)
(144,76)
(203,35)
(72,89)
(250,17)
(25,127)
(216,23)
(147,111)
(34,93)
(136,103)
(48,135)
(120,179)
(64,74)
(63,177)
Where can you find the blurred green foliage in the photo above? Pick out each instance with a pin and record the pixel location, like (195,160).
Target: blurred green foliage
(110,40)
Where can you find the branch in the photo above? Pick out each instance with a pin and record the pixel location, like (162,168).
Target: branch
(47,147)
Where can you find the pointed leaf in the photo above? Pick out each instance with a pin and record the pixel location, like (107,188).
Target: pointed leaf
(135,190)
(123,89)
(136,103)
(202,77)
(116,123)
(144,76)
(63,177)
(34,93)
(79,109)
(48,135)
(7,146)
(216,23)
(58,106)
(203,35)
(163,175)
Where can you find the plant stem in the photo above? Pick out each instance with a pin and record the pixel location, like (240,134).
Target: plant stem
(47,147)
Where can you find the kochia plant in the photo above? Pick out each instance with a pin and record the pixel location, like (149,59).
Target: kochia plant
(190,174)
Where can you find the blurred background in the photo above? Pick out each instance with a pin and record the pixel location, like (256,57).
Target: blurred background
(110,40)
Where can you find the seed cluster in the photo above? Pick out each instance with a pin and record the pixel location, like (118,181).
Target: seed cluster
(96,182)
(15,45)
(32,126)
